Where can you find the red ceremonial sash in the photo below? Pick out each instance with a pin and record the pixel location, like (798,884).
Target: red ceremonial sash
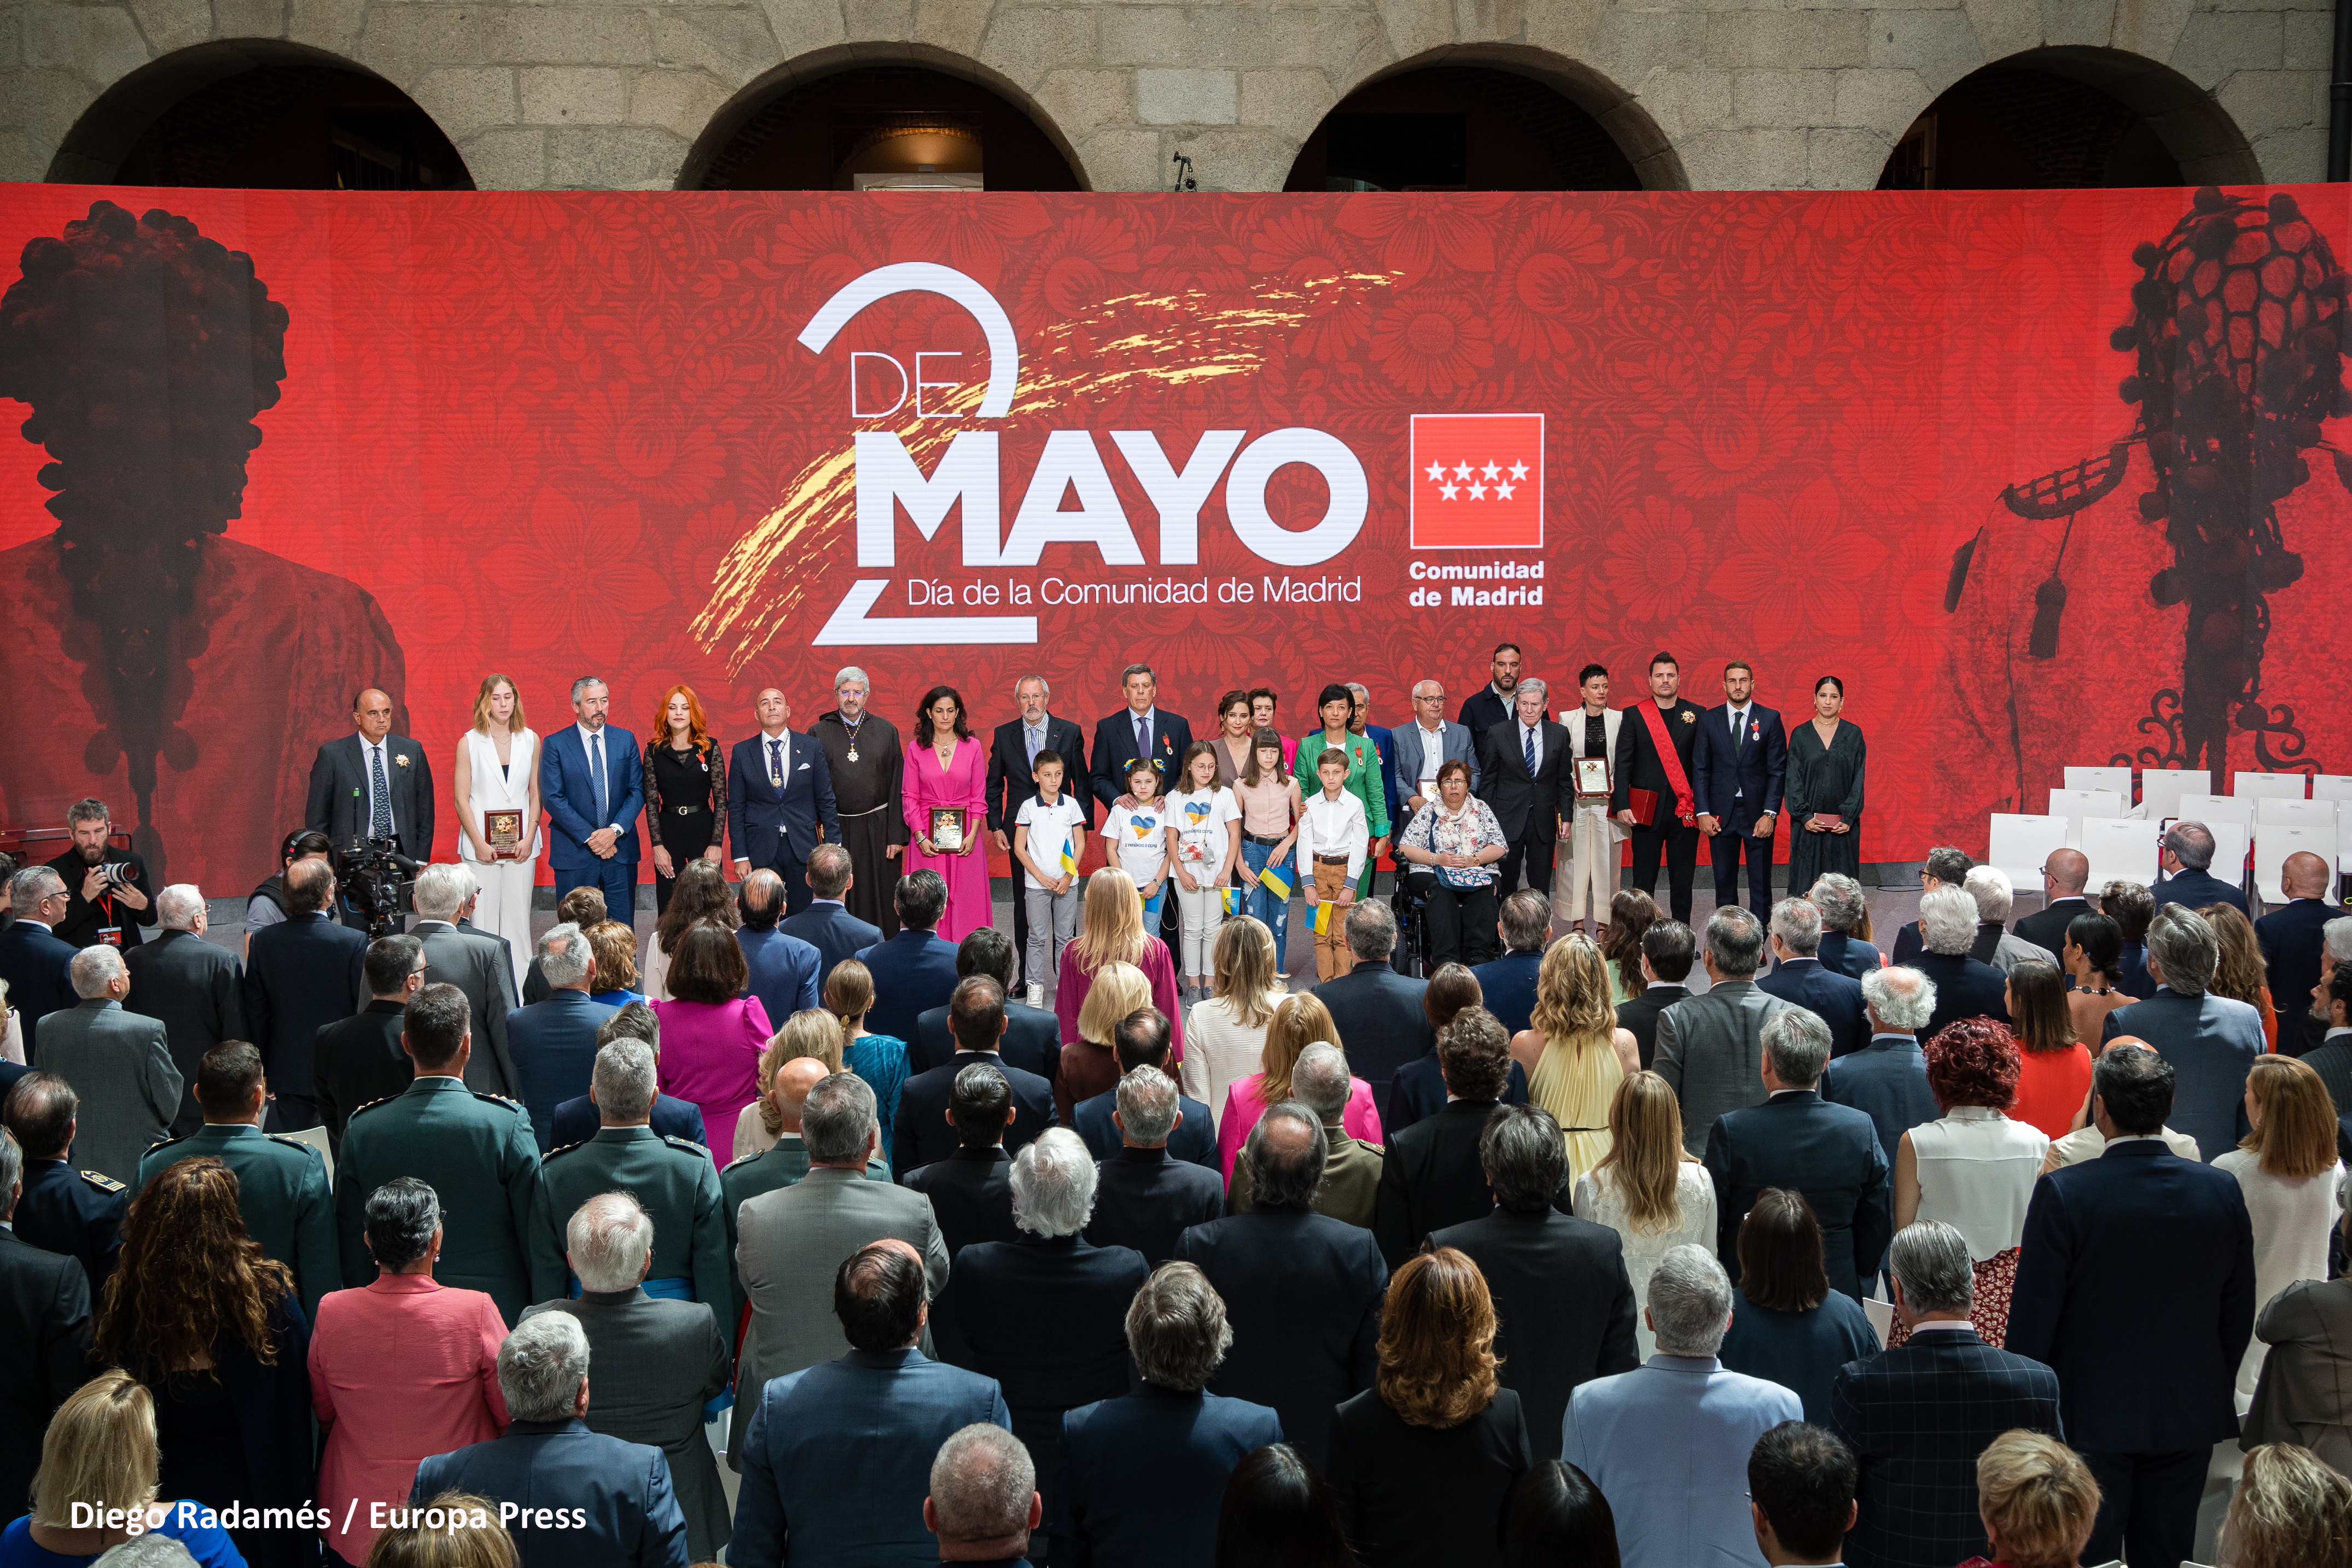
(1685,811)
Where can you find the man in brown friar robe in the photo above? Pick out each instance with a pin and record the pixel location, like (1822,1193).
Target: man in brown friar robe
(862,749)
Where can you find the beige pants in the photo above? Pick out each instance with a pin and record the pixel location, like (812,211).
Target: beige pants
(1592,868)
(1332,956)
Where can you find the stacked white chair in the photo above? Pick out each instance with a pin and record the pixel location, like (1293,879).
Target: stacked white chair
(2080,806)
(2273,842)
(2160,789)
(2120,848)
(2020,844)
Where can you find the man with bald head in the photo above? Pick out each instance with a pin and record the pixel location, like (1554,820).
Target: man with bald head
(778,800)
(2295,948)
(372,784)
(783,1162)
(2064,875)
(301,974)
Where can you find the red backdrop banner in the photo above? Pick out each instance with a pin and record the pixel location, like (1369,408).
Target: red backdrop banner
(2046,477)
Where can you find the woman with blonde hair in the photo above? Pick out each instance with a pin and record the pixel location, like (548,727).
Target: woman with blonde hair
(614,981)
(1573,1051)
(1299,1020)
(451,1530)
(2289,1511)
(1089,1064)
(497,770)
(1227,1032)
(1421,1463)
(2289,1173)
(2240,974)
(2038,1502)
(1110,931)
(1647,1188)
(812,1033)
(879,1058)
(99,1450)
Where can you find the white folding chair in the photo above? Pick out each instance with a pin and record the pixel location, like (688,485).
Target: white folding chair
(2019,845)
(2338,786)
(2268,786)
(317,1138)
(2230,842)
(2331,786)
(2118,780)
(2271,809)
(2214,810)
(2079,805)
(2120,848)
(2275,841)
(2160,789)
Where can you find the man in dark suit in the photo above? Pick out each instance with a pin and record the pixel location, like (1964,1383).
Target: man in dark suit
(477,964)
(2186,859)
(45,1317)
(1032,1036)
(1143,1474)
(357,1061)
(1798,976)
(1140,729)
(1798,1140)
(915,970)
(372,784)
(107,896)
(622,1492)
(1964,987)
(1011,759)
(2064,875)
(1668,949)
(301,974)
(1302,1290)
(1886,1080)
(1561,1281)
(1920,1415)
(1508,985)
(1377,1011)
(1141,1039)
(1523,776)
(584,907)
(779,799)
(1491,704)
(2145,1375)
(593,786)
(1385,747)
(2212,1043)
(921,1133)
(1738,768)
(1945,867)
(826,924)
(577,1119)
(1840,899)
(196,989)
(1146,1199)
(75,1213)
(1418,1093)
(553,1043)
(1432,1177)
(1673,830)
(2293,937)
(783,967)
(971,1190)
(33,960)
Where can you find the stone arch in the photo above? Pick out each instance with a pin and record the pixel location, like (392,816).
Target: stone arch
(741,113)
(371,133)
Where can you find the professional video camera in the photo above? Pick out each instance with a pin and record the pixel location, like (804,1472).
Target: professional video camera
(376,878)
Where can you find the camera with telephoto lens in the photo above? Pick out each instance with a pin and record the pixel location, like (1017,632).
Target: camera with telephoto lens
(116,874)
(374,875)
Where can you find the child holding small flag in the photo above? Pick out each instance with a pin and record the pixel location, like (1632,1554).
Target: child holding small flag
(1047,836)
(1204,834)
(1270,804)
(1139,836)
(1333,841)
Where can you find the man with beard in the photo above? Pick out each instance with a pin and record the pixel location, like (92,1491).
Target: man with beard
(862,750)
(102,904)
(1491,704)
(1654,754)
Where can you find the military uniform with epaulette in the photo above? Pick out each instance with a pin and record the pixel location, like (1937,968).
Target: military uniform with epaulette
(780,1165)
(77,1213)
(673,1180)
(477,1153)
(281,1190)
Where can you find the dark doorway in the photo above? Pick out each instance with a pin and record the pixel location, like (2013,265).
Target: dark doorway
(263,118)
(2019,128)
(877,128)
(1461,128)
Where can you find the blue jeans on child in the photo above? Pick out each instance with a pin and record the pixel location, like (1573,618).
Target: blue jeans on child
(1263,904)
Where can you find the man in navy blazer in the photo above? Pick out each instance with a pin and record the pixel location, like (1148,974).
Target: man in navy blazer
(782,968)
(1302,1290)
(1145,1199)
(1141,1039)
(1918,1417)
(826,924)
(1011,759)
(1383,741)
(921,1133)
(1141,728)
(2293,937)
(1377,1011)
(837,1457)
(1142,1475)
(2186,859)
(1964,987)
(593,782)
(1798,976)
(553,1043)
(2212,1041)
(2135,1285)
(576,1121)
(1507,986)
(1739,765)
(915,970)
(33,959)
(779,799)
(1798,1140)
(301,974)
(619,1506)
(1032,1036)
(1840,899)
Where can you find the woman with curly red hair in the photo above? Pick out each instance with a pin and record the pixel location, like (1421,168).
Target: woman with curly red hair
(1973,1168)
(685,790)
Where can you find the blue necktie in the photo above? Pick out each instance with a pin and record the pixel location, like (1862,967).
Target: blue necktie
(1529,737)
(597,773)
(776,765)
(380,817)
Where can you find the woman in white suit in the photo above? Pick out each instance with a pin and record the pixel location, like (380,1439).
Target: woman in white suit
(497,770)
(1588,870)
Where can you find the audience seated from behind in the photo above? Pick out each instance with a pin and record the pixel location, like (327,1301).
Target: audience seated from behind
(984,1502)
(2290,1510)
(1788,1326)
(2036,1499)
(1144,1199)
(100,1452)
(1556,1516)
(1648,1188)
(1277,1513)
(1354,1173)
(1801,1496)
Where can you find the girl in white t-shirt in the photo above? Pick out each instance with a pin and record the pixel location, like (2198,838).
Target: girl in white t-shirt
(1205,838)
(1139,837)
(1049,835)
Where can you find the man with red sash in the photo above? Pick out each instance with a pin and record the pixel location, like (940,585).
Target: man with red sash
(1655,798)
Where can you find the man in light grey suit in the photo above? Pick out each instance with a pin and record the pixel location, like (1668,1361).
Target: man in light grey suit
(119,1063)
(2305,1393)
(661,1360)
(791,1242)
(1711,1046)
(1424,746)
(477,964)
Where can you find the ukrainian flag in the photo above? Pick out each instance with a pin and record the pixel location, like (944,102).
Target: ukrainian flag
(1233,896)
(1279,878)
(1069,856)
(1320,917)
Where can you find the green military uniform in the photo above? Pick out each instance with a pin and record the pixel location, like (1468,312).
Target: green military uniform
(1351,1180)
(281,1190)
(765,1172)
(673,1180)
(477,1153)
(1363,783)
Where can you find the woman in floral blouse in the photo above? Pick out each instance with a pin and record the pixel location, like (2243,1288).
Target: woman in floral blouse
(1453,845)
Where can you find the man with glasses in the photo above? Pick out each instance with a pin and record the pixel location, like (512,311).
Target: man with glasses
(358,1059)
(1423,747)
(2064,875)
(33,960)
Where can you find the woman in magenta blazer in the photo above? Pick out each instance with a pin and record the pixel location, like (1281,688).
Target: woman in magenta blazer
(401,1369)
(711,1034)
(1299,1020)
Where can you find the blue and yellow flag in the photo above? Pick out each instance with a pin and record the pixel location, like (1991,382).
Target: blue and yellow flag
(1233,900)
(1069,856)
(1320,917)
(1279,878)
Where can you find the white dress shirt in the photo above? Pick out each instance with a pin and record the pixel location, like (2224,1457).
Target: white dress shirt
(590,740)
(777,764)
(1535,731)
(1738,723)
(1432,753)
(1331,827)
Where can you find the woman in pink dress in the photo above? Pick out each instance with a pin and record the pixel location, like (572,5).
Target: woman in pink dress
(711,1034)
(1299,1020)
(1110,931)
(946,767)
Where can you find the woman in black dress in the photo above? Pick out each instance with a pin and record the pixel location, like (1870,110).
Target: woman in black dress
(1824,791)
(685,790)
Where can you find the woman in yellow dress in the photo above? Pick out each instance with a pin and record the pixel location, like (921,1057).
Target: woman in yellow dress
(1575,1055)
